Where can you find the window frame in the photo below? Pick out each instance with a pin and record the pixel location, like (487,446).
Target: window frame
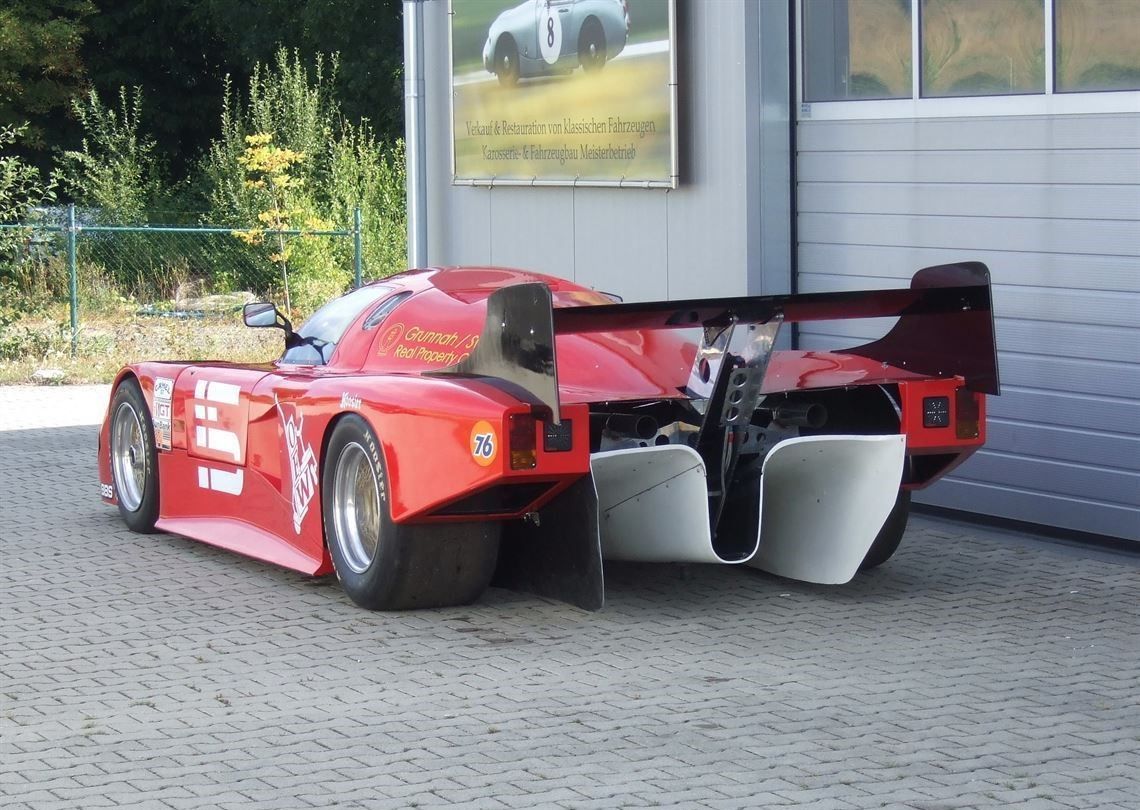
(1050,102)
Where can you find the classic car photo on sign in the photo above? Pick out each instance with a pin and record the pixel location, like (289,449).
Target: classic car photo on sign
(560,92)
(424,436)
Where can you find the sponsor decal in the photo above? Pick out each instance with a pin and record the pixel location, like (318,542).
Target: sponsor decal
(212,406)
(349,402)
(162,434)
(163,389)
(391,336)
(161,424)
(300,461)
(428,345)
(484,443)
(106,490)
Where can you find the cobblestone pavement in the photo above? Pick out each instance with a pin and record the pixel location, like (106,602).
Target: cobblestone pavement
(976,669)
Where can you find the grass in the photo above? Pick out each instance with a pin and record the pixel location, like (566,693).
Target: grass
(108,340)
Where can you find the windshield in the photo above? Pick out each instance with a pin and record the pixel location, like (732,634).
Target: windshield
(319,335)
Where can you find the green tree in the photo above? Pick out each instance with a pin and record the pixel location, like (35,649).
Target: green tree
(174,49)
(368,35)
(182,50)
(40,65)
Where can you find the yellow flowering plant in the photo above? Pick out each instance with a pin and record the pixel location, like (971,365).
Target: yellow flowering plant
(269,168)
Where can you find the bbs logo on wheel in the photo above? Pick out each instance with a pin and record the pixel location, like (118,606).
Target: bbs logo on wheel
(484,443)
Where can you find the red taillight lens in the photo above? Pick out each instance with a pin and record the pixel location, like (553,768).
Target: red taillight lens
(523,441)
(967,414)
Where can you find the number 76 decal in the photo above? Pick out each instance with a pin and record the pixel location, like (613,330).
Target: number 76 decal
(484,443)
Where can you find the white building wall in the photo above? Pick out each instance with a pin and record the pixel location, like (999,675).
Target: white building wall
(701,239)
(1052,205)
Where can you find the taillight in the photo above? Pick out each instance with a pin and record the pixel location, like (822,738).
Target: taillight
(967,414)
(523,441)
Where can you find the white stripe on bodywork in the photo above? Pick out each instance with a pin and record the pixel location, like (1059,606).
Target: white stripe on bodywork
(225,481)
(214,391)
(224,441)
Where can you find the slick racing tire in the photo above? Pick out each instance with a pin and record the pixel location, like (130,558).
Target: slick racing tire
(134,460)
(592,46)
(384,565)
(887,541)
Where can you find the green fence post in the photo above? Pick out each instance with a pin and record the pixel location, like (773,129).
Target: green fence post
(73,273)
(358,257)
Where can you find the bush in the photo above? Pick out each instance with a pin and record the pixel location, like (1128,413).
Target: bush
(115,170)
(21,188)
(338,167)
(116,177)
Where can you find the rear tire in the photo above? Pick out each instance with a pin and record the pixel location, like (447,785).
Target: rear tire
(134,459)
(507,62)
(385,565)
(891,535)
(592,46)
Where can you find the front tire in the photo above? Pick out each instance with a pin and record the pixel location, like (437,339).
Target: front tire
(891,535)
(134,459)
(384,565)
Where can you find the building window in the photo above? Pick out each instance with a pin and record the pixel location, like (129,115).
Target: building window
(938,58)
(1097,45)
(857,49)
(982,47)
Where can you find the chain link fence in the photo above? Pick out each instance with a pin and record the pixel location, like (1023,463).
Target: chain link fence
(112,280)
(79,297)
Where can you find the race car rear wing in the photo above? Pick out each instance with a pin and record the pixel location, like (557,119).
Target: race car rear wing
(945,327)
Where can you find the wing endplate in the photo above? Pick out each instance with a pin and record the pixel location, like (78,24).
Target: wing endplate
(516,346)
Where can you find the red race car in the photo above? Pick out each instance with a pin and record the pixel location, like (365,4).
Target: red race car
(424,434)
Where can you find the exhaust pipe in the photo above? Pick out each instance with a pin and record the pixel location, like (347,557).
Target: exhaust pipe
(626,424)
(795,414)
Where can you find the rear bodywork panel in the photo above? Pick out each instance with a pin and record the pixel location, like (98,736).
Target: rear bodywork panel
(666,431)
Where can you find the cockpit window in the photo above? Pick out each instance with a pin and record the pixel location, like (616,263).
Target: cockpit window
(381,312)
(319,335)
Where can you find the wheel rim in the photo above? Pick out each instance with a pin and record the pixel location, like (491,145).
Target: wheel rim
(128,457)
(356,508)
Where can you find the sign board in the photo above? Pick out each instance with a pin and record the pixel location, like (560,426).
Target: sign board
(564,92)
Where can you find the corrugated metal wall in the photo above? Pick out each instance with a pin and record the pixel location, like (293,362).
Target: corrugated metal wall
(1052,205)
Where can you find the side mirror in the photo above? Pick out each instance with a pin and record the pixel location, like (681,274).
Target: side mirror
(261,314)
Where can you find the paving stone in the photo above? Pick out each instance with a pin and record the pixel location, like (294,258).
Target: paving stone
(979,668)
